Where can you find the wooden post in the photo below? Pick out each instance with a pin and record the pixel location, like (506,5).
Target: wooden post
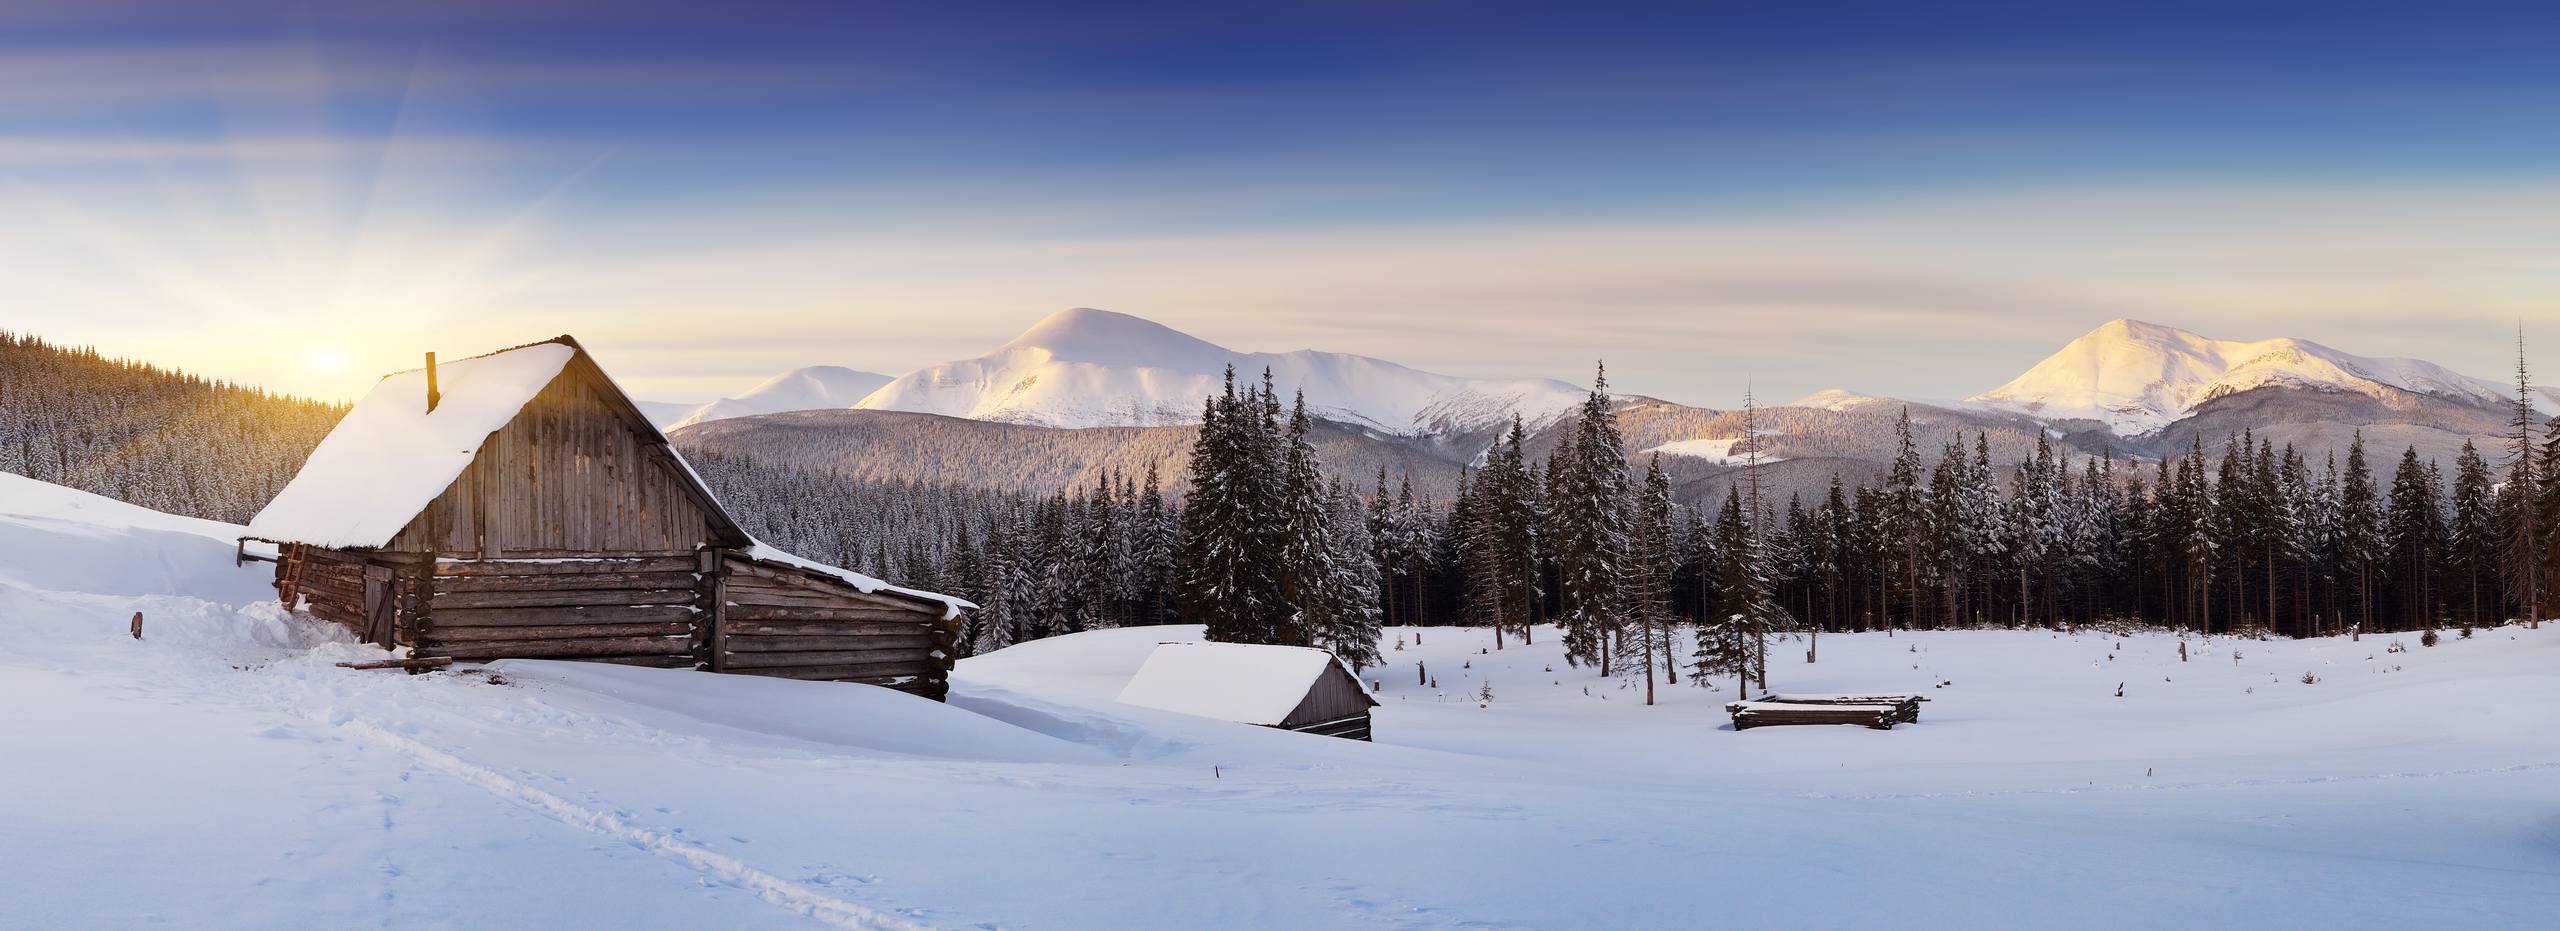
(715,614)
(137,625)
(433,396)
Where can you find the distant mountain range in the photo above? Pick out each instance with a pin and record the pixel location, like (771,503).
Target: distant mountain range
(2138,378)
(1067,391)
(809,388)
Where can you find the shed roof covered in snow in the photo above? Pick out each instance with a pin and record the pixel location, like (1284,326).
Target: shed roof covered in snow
(1273,686)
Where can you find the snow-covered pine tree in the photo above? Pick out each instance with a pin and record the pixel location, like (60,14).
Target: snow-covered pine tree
(1588,514)
(1906,522)
(1354,630)
(2528,537)
(1227,578)
(2476,538)
(1152,553)
(2362,539)
(1306,557)
(2414,539)
(1979,522)
(1653,564)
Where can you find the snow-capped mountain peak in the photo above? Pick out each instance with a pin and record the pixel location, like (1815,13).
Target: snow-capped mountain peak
(2138,377)
(1083,367)
(807,388)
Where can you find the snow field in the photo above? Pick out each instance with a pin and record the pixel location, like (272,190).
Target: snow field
(222,772)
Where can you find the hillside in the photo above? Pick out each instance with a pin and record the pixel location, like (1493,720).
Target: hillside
(140,433)
(883,446)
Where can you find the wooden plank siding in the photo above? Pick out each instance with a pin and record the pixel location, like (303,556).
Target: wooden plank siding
(1335,706)
(574,474)
(782,621)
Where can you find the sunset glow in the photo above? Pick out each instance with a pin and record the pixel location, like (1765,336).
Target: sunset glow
(223,184)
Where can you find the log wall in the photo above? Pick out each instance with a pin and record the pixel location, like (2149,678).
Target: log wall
(714,611)
(780,621)
(373,595)
(637,610)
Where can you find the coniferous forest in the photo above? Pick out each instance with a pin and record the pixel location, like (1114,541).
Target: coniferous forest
(1272,547)
(165,440)
(2250,538)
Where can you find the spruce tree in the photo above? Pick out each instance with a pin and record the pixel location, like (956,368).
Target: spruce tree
(1229,583)
(2528,538)
(1654,564)
(1588,512)
(2361,534)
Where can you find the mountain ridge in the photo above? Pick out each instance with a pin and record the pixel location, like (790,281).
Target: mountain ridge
(2139,378)
(1084,367)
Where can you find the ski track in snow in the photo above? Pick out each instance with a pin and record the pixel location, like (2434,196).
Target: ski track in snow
(788,895)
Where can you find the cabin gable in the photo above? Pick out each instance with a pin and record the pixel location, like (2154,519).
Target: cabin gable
(1335,706)
(577,472)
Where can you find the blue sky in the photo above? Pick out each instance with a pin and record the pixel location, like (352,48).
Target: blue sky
(1899,198)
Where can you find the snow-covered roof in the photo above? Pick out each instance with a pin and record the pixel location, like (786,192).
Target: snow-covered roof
(768,553)
(382,464)
(1247,683)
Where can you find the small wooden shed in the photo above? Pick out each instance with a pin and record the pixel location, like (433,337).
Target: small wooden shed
(1290,688)
(517,504)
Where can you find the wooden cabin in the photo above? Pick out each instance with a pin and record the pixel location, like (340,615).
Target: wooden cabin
(517,504)
(1290,688)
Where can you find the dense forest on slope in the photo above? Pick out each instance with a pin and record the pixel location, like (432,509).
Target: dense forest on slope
(162,439)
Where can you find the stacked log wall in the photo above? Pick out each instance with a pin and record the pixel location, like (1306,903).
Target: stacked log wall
(778,621)
(640,611)
(329,584)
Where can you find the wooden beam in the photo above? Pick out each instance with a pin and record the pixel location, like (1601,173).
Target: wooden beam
(620,596)
(548,616)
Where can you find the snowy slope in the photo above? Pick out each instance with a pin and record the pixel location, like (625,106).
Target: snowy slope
(2138,377)
(223,772)
(801,389)
(1088,368)
(58,538)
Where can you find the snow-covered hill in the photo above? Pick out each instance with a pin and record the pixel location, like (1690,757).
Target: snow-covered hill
(1091,368)
(802,389)
(2138,378)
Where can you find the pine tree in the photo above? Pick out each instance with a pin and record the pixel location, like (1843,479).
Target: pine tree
(2528,557)
(1306,545)
(1589,515)
(1153,553)
(1654,564)
(2361,534)
(1906,516)
(1228,581)
(2415,534)
(1353,621)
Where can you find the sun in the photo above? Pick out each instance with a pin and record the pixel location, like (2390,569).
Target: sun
(324,360)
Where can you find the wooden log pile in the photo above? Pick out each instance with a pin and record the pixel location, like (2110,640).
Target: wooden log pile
(782,622)
(1880,712)
(637,611)
(1906,704)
